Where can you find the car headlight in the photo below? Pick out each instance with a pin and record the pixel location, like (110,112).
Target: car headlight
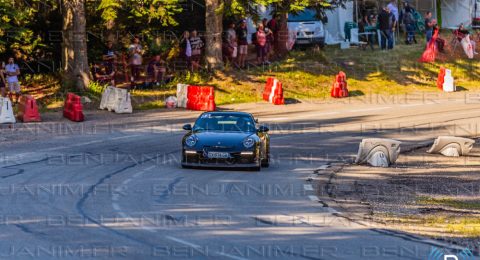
(191,141)
(318,29)
(248,142)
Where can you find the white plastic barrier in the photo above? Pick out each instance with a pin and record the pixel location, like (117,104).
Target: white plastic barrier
(182,91)
(105,95)
(452,146)
(378,152)
(116,99)
(448,82)
(6,111)
(123,104)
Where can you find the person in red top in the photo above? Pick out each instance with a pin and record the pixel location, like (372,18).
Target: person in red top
(261,44)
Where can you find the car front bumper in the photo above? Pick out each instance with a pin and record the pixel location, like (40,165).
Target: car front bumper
(236,159)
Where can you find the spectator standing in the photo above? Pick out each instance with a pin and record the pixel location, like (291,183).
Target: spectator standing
(242,35)
(386,22)
(408,19)
(109,59)
(12,70)
(261,44)
(3,83)
(232,44)
(392,6)
(269,36)
(429,25)
(196,45)
(186,48)
(135,50)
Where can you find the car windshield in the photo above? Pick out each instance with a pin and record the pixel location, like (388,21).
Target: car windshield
(306,15)
(225,123)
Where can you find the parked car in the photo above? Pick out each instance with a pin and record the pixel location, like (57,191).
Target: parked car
(309,29)
(226,139)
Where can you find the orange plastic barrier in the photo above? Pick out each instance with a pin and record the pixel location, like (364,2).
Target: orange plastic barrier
(28,110)
(340,86)
(73,108)
(268,89)
(441,78)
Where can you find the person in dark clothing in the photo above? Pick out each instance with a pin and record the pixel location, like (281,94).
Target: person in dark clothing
(408,19)
(109,58)
(242,34)
(156,70)
(386,22)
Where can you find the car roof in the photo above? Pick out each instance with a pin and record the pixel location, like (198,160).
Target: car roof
(230,113)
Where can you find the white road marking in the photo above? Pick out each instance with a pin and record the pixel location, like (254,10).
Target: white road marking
(313,198)
(308,187)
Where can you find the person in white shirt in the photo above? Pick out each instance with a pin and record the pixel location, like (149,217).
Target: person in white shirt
(135,51)
(12,71)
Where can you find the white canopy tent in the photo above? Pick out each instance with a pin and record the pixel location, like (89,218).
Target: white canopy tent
(336,21)
(455,12)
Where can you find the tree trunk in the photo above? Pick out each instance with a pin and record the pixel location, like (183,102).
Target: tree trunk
(214,28)
(67,31)
(282,36)
(75,43)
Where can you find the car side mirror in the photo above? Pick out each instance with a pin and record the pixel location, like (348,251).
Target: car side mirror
(187,127)
(263,129)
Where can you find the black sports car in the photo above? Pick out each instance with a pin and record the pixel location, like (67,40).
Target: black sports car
(226,139)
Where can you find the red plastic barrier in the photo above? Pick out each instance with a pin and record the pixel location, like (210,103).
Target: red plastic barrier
(73,108)
(28,110)
(340,87)
(268,89)
(273,92)
(441,78)
(278,95)
(201,98)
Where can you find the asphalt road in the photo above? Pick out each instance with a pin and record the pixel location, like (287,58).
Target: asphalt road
(112,187)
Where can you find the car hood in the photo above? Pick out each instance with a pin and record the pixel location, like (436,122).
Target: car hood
(222,138)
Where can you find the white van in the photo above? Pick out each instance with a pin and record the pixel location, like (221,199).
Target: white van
(309,29)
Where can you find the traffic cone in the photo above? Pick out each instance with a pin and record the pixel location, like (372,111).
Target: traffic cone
(28,110)
(441,78)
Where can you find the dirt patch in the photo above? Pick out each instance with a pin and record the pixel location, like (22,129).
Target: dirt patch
(425,194)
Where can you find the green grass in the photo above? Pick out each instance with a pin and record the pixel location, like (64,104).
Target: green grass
(449,202)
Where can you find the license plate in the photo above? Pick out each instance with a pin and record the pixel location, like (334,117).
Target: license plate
(218,155)
(302,41)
